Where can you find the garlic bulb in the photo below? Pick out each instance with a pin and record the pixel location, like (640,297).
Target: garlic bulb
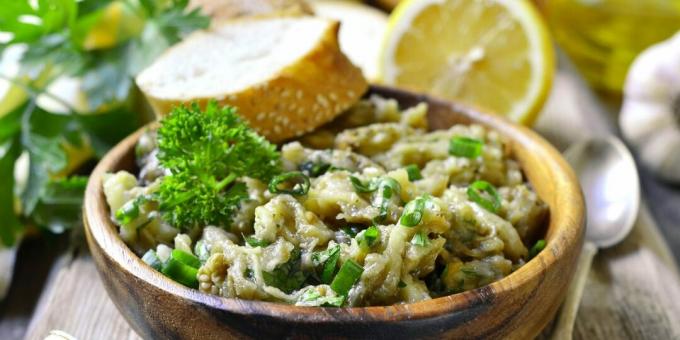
(650,115)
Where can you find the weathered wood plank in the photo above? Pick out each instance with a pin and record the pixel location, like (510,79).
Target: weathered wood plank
(633,290)
(76,302)
(32,272)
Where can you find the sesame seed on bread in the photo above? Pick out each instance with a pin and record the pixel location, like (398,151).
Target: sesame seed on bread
(287,76)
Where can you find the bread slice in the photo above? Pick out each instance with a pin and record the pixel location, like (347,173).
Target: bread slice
(286,76)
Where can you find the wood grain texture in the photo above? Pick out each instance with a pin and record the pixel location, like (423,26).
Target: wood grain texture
(633,291)
(518,306)
(63,302)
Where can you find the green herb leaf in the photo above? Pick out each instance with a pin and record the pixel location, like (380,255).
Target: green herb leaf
(151,258)
(536,248)
(484,194)
(42,135)
(255,242)
(352,230)
(387,188)
(9,152)
(288,276)
(312,298)
(60,204)
(414,211)
(181,272)
(465,147)
(205,152)
(98,129)
(314,169)
(186,258)
(369,237)
(413,173)
(349,274)
(27,23)
(359,186)
(128,212)
(328,260)
(420,239)
(296,183)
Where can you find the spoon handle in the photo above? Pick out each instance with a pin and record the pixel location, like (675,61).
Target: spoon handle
(565,323)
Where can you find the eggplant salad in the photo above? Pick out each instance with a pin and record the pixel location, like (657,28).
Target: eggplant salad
(371,209)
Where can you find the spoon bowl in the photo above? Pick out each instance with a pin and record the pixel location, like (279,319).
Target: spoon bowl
(610,183)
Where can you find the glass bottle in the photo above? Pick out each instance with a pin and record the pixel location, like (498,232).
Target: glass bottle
(603,37)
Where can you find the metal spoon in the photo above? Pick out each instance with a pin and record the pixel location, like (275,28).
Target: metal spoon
(611,187)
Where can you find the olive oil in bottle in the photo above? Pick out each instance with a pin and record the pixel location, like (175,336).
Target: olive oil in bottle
(603,37)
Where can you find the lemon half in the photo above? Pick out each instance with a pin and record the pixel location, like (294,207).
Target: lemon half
(493,54)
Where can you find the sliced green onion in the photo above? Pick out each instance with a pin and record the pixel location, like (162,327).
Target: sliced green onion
(314,169)
(152,260)
(420,239)
(384,204)
(186,258)
(330,265)
(389,182)
(202,252)
(255,242)
(413,173)
(388,186)
(369,236)
(352,230)
(361,187)
(540,245)
(180,272)
(328,260)
(313,297)
(128,212)
(349,274)
(335,301)
(465,147)
(401,284)
(375,184)
(413,212)
(297,181)
(484,194)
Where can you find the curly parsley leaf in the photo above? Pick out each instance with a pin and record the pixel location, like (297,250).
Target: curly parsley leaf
(206,151)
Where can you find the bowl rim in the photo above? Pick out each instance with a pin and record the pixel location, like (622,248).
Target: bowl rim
(102,233)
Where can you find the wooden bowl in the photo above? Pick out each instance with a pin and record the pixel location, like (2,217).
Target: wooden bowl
(519,306)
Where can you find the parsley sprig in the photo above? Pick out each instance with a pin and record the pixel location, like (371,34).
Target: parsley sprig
(206,151)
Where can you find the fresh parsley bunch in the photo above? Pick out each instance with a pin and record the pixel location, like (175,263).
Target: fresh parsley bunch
(103,43)
(206,151)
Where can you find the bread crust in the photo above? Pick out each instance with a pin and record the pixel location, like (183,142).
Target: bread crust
(303,96)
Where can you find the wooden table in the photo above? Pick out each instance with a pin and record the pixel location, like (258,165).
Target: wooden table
(633,290)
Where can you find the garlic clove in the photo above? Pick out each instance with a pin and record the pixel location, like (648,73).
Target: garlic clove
(646,79)
(640,120)
(661,154)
